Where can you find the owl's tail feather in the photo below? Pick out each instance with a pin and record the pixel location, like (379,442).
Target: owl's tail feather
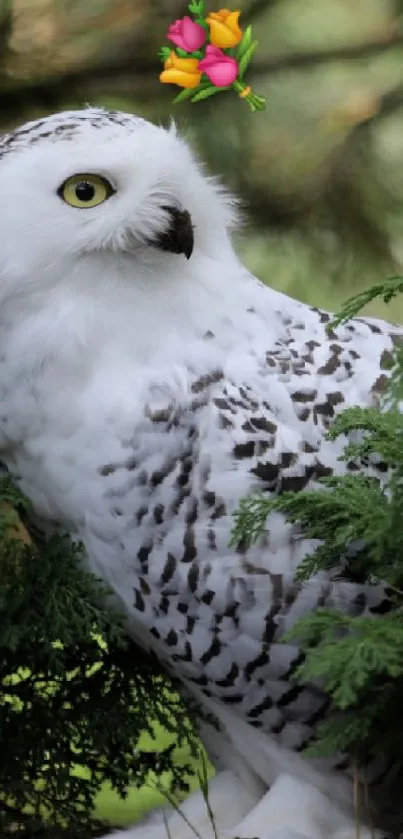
(291,809)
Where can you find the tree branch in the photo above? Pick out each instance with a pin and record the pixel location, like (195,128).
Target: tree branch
(257,8)
(290,61)
(141,79)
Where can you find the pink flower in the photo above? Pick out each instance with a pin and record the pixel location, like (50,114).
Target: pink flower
(221,69)
(186,34)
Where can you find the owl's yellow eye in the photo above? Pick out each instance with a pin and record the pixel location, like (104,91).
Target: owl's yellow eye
(85,191)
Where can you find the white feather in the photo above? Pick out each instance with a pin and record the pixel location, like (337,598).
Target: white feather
(143,396)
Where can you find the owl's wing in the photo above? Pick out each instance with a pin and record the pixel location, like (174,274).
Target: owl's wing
(258,423)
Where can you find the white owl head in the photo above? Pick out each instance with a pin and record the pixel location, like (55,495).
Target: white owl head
(107,184)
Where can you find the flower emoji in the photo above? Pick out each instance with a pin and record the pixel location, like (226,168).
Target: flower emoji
(220,68)
(186,34)
(212,54)
(224,29)
(181,71)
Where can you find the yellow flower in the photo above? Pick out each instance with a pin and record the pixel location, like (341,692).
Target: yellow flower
(181,71)
(224,28)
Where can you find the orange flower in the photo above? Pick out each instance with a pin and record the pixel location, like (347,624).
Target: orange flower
(224,29)
(181,71)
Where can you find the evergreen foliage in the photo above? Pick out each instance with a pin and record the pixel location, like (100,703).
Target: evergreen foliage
(358,522)
(75,694)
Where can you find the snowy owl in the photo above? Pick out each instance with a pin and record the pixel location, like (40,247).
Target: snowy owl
(148,383)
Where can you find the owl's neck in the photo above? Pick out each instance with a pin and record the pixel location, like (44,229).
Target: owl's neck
(109,306)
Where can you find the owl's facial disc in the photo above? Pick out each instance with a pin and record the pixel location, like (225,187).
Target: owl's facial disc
(89,190)
(178,238)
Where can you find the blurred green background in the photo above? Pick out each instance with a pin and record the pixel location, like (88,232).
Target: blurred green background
(319,172)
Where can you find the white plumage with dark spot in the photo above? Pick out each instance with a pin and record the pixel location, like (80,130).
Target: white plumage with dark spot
(148,383)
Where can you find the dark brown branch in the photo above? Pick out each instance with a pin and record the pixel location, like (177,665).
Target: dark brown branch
(257,8)
(141,79)
(276,64)
(388,103)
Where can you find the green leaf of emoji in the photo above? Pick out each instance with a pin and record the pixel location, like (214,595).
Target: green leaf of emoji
(186,93)
(196,8)
(208,91)
(164,53)
(245,43)
(246,59)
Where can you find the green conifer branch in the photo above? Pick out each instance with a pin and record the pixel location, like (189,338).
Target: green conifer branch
(357,522)
(75,693)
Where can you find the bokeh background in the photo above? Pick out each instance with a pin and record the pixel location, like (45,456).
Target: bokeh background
(320,171)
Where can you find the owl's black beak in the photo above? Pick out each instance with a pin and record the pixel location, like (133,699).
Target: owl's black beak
(178,238)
